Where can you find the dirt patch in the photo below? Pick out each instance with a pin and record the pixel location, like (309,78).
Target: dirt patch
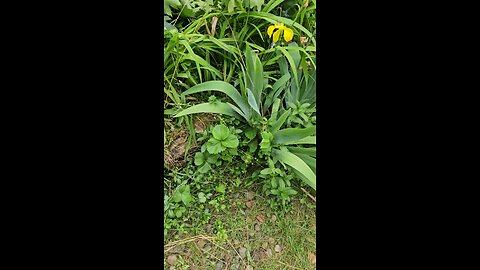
(174,156)
(203,121)
(175,151)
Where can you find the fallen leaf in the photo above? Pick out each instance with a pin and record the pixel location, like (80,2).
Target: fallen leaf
(312,258)
(261,219)
(249,204)
(214,25)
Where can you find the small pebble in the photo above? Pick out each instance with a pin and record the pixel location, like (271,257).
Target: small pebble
(241,252)
(274,218)
(172,259)
(278,248)
(219,266)
(257,227)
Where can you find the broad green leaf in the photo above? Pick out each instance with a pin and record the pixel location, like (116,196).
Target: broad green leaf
(266,171)
(250,62)
(281,183)
(274,182)
(220,188)
(306,140)
(177,196)
(186,198)
(299,166)
(275,107)
(219,107)
(310,161)
(199,159)
(311,151)
(250,133)
(168,3)
(252,102)
(220,132)
(294,53)
(214,146)
(258,80)
(278,124)
(292,135)
(205,168)
(223,87)
(289,191)
(179,211)
(252,146)
(292,64)
(231,141)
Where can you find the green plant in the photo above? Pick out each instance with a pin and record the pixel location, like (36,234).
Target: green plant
(273,138)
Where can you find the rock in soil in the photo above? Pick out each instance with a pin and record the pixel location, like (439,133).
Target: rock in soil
(260,218)
(258,255)
(278,248)
(172,259)
(269,253)
(257,227)
(274,218)
(219,266)
(241,252)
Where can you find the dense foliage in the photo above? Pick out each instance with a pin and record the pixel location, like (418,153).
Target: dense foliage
(249,67)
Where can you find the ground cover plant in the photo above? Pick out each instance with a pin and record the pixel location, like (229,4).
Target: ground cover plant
(240,134)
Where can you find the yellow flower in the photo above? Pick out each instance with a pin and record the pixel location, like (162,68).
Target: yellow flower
(287,32)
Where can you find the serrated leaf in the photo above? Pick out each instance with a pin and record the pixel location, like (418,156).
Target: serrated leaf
(214,146)
(220,132)
(231,141)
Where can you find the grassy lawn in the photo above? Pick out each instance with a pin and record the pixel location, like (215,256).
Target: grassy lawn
(256,237)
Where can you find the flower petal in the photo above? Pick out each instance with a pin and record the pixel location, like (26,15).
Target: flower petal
(276,35)
(288,34)
(270,30)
